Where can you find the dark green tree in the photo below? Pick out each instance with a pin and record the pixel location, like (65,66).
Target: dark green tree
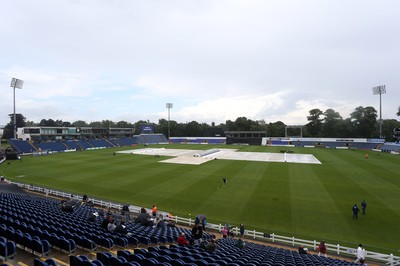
(387,128)
(48,123)
(193,129)
(9,128)
(97,124)
(80,123)
(332,122)
(276,129)
(66,124)
(364,121)
(124,124)
(314,127)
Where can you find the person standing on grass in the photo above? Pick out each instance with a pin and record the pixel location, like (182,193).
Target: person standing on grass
(363,206)
(355,211)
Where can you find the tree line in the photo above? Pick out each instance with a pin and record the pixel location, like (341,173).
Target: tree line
(362,123)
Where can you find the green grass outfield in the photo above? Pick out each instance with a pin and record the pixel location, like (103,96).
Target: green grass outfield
(303,200)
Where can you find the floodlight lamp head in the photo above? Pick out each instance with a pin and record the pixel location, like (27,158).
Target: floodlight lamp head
(169,105)
(379,90)
(17,83)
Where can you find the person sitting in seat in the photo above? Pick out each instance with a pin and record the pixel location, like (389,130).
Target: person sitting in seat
(182,240)
(144,219)
(239,243)
(105,222)
(121,228)
(111,226)
(212,246)
(161,223)
(302,250)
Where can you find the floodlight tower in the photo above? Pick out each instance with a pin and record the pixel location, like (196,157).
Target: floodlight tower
(169,107)
(16,83)
(379,90)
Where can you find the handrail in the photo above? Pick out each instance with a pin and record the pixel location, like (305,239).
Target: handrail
(388,259)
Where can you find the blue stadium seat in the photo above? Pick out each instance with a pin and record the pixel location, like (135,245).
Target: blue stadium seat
(104,257)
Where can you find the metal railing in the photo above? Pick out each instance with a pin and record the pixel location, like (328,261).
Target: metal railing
(388,259)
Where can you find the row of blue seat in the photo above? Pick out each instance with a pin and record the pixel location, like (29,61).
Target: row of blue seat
(47,262)
(27,242)
(7,249)
(15,210)
(40,213)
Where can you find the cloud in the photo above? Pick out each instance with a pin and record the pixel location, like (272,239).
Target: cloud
(215,60)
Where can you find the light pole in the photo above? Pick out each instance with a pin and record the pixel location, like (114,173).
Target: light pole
(380,90)
(16,83)
(169,107)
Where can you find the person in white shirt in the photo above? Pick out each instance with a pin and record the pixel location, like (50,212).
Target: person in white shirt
(111,226)
(360,254)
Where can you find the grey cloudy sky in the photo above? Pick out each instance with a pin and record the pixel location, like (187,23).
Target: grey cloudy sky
(214,60)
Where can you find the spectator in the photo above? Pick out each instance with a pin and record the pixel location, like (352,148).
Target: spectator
(211,247)
(360,254)
(182,240)
(239,243)
(241,230)
(105,222)
(121,228)
(154,211)
(92,217)
(155,222)
(228,228)
(202,220)
(111,226)
(144,219)
(224,232)
(197,233)
(302,250)
(322,249)
(161,223)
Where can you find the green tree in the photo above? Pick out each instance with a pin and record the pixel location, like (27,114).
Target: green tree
(66,124)
(80,123)
(332,121)
(9,128)
(124,124)
(31,124)
(314,127)
(107,123)
(48,123)
(345,129)
(193,129)
(387,128)
(364,121)
(97,124)
(276,129)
